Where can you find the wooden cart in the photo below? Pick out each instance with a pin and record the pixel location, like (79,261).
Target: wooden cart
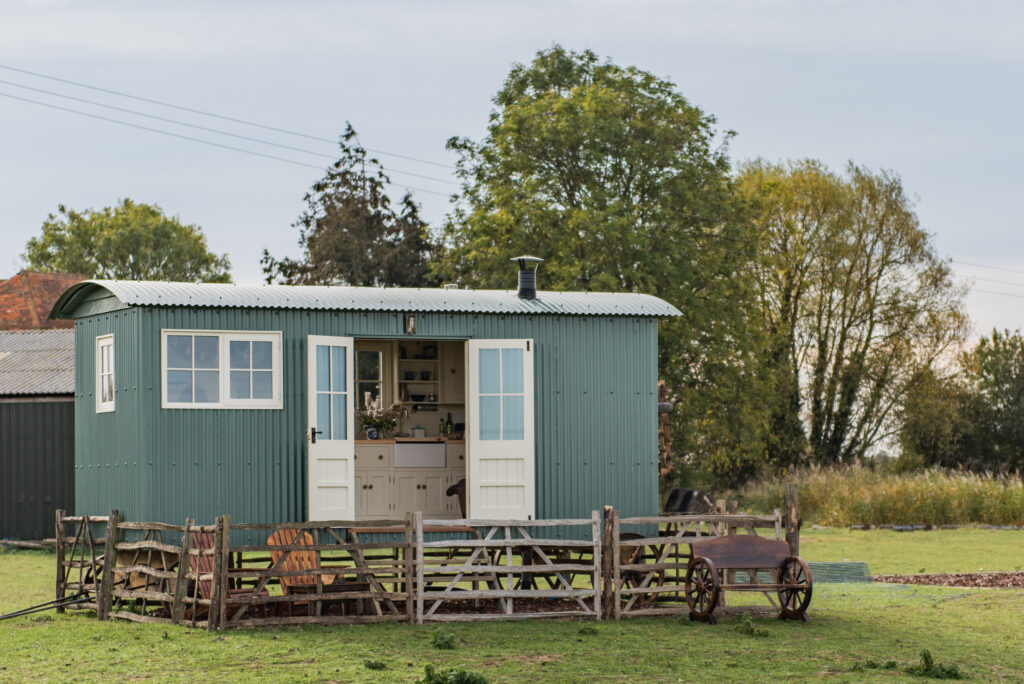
(712,567)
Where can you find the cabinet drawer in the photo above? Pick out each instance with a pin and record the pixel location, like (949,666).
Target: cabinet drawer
(374,456)
(455,455)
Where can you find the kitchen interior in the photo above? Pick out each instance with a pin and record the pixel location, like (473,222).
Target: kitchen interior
(412,468)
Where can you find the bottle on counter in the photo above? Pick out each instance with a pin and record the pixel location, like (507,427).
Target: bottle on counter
(440,428)
(449,427)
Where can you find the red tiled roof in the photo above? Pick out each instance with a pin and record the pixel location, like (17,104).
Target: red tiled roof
(27,298)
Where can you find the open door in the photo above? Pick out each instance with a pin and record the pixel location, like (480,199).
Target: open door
(500,441)
(331,429)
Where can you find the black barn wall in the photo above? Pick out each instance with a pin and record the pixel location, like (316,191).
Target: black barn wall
(37,465)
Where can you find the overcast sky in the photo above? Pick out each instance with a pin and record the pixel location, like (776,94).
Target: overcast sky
(930,90)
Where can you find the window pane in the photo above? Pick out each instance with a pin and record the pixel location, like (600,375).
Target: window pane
(323,415)
(323,368)
(239,384)
(206,351)
(512,417)
(261,355)
(363,387)
(108,389)
(207,390)
(262,385)
(490,372)
(179,352)
(490,417)
(368,365)
(339,421)
(179,386)
(239,354)
(339,376)
(512,371)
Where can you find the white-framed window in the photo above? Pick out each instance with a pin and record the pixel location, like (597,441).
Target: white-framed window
(219,369)
(105,374)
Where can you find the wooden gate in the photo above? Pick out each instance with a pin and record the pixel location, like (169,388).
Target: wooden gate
(486,577)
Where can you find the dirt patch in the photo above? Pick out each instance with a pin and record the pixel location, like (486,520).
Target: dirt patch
(999,580)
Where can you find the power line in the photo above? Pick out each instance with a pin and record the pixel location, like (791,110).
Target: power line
(188,137)
(208,129)
(995,268)
(1005,294)
(216,116)
(993,280)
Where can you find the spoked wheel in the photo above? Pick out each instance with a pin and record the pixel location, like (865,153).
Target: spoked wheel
(794,598)
(702,588)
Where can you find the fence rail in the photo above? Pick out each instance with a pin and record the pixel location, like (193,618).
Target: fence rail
(412,570)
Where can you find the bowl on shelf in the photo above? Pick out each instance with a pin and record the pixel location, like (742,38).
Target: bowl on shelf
(409,375)
(425,375)
(417,397)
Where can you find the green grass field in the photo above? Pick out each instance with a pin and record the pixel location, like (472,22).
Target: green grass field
(981,630)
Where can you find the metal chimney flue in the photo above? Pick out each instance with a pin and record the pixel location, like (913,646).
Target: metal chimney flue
(527,276)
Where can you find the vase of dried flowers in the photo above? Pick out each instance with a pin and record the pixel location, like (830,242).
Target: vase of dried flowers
(375,420)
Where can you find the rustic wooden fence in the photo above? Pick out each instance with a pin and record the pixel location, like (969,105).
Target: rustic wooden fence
(411,570)
(503,568)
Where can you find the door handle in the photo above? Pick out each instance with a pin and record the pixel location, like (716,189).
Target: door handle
(313,432)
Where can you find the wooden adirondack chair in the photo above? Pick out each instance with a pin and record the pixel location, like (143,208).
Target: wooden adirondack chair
(204,565)
(299,560)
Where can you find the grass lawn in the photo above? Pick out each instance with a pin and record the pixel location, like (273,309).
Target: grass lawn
(981,630)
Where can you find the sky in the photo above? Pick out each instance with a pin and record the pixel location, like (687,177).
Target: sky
(930,90)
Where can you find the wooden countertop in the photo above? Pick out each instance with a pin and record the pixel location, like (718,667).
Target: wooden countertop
(421,440)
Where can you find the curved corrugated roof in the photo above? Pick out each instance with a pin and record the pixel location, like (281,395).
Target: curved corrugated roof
(141,293)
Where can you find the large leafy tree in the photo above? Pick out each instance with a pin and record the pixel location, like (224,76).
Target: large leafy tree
(972,418)
(352,234)
(620,184)
(855,300)
(130,241)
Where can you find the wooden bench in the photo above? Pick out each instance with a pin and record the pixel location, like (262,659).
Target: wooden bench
(711,563)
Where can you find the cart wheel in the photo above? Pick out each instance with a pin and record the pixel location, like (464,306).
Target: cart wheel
(702,587)
(794,598)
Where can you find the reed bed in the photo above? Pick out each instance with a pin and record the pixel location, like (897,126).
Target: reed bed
(863,495)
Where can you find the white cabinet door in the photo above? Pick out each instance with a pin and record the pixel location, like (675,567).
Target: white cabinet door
(500,429)
(378,493)
(434,484)
(407,492)
(331,485)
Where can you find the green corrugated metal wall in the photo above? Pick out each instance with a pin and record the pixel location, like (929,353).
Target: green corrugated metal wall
(36,459)
(596,409)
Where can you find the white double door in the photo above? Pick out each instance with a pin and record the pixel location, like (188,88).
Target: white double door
(500,445)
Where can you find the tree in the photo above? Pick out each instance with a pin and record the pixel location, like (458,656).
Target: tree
(620,184)
(350,232)
(855,300)
(129,241)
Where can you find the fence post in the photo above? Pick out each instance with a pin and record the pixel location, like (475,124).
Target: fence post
(181,581)
(213,615)
(409,556)
(418,517)
(616,570)
(595,536)
(59,532)
(104,597)
(225,564)
(791,509)
(606,562)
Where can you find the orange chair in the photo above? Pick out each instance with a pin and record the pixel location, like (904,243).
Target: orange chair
(298,561)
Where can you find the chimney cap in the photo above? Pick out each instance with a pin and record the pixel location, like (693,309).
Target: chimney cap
(527,263)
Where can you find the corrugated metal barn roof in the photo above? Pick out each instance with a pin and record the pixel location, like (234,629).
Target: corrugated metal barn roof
(37,362)
(367,299)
